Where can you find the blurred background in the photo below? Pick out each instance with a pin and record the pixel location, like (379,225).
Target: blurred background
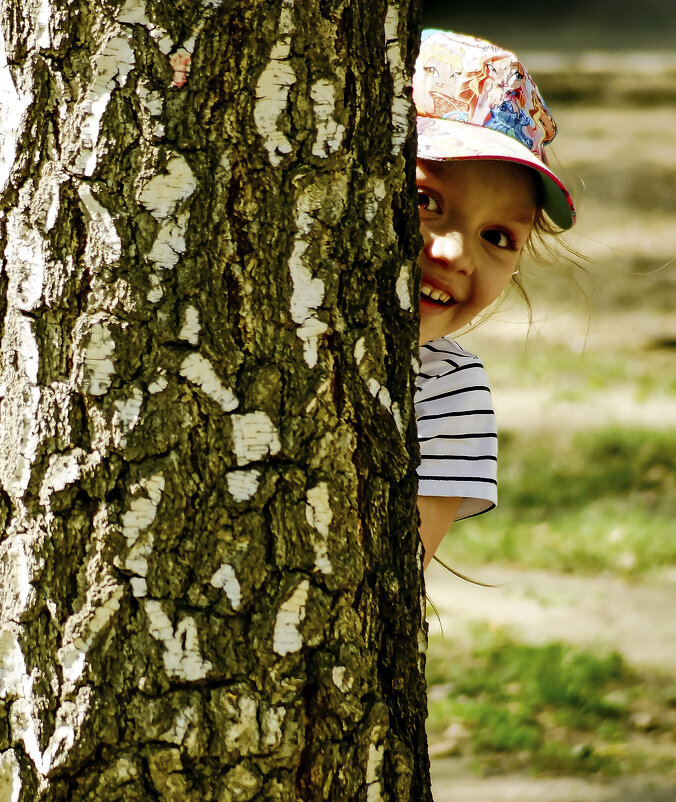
(559,684)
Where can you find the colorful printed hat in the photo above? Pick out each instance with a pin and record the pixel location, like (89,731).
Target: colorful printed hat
(476,101)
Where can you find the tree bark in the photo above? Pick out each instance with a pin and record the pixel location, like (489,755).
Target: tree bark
(209,566)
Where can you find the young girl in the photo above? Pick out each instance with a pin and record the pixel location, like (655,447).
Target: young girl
(484,188)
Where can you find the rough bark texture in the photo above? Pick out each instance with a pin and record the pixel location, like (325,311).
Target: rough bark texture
(209,582)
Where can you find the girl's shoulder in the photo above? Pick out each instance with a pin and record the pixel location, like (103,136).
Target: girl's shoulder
(444,356)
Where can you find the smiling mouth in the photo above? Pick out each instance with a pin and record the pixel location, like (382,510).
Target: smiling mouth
(435,295)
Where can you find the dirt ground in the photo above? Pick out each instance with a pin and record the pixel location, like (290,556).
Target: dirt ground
(604,612)
(539,606)
(452,782)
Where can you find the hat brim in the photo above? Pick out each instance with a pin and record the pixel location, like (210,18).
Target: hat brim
(449,139)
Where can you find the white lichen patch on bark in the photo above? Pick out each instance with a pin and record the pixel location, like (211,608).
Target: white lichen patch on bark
(339,679)
(422,641)
(307,290)
(101,602)
(241,783)
(134,13)
(15,590)
(319,515)
(19,436)
(329,131)
(25,347)
(400,102)
(225,578)
(272,94)
(48,196)
(242,735)
(24,714)
(169,243)
(101,228)
(23,728)
(182,656)
(313,403)
(159,384)
(190,329)
(318,509)
(374,792)
(139,586)
(25,252)
(377,192)
(153,105)
(99,368)
(398,422)
(41,33)
(198,370)
(62,740)
(271,727)
(13,678)
(156,292)
(69,718)
(138,518)
(10,777)
(383,395)
(62,470)
(112,64)
(360,350)
(187,721)
(402,288)
(126,416)
(374,387)
(242,485)
(307,295)
(152,101)
(16,587)
(19,440)
(254,436)
(13,104)
(163,193)
(286,636)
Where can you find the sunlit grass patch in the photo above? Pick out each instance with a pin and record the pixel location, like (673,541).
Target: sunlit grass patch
(597,501)
(552,708)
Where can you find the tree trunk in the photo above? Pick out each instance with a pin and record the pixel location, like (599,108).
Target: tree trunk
(209,567)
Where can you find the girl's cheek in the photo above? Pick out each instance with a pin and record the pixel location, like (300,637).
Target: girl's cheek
(425,234)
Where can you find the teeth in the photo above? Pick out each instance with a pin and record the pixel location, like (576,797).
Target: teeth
(435,294)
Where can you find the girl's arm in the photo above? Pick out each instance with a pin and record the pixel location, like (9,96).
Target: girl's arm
(436,515)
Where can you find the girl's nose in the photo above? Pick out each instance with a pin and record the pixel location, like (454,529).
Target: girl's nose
(448,250)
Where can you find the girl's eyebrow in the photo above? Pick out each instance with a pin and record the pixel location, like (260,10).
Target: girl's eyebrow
(526,219)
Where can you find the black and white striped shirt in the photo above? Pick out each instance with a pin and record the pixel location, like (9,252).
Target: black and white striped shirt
(456,428)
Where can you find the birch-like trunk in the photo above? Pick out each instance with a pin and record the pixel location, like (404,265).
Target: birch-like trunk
(208,576)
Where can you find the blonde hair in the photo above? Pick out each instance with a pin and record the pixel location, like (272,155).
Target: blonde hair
(545,246)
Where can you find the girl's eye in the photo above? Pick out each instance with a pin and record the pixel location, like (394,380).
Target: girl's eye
(426,201)
(498,238)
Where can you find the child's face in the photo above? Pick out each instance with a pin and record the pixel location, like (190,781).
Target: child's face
(475,218)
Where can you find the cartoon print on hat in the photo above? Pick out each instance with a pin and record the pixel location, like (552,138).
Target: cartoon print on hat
(467,90)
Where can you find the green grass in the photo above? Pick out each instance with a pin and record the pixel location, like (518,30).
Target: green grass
(603,500)
(552,708)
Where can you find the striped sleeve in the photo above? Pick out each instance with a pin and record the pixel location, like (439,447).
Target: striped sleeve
(456,428)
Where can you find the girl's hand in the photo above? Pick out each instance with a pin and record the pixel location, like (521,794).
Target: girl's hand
(437,513)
